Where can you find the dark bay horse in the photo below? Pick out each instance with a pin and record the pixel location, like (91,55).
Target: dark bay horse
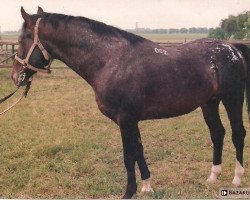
(135,79)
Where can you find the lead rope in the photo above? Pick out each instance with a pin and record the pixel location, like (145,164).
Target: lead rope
(8,96)
(12,55)
(25,92)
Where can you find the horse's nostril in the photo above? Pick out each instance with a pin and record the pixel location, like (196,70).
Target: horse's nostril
(21,77)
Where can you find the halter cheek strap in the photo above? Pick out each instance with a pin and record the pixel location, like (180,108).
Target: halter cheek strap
(36,42)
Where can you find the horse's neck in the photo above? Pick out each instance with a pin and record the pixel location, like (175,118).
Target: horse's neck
(80,49)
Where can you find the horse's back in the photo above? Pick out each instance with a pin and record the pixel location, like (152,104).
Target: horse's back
(156,82)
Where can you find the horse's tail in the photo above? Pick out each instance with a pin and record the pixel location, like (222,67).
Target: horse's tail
(246,54)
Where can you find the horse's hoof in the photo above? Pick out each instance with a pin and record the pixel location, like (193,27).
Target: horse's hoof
(215,173)
(239,172)
(146,186)
(127,196)
(147,190)
(212,179)
(236,181)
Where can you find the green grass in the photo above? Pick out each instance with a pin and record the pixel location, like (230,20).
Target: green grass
(173,37)
(57,144)
(9,37)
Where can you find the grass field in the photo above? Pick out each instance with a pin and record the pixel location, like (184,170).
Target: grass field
(9,36)
(56,144)
(173,37)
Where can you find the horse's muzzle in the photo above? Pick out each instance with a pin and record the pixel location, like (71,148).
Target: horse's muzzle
(23,79)
(15,77)
(20,79)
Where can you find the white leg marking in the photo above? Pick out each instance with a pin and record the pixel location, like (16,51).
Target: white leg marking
(238,173)
(146,186)
(215,173)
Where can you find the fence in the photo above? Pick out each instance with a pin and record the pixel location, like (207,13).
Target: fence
(7,48)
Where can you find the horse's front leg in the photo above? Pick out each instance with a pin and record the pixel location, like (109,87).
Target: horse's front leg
(133,151)
(145,174)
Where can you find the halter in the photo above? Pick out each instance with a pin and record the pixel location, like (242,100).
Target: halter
(26,64)
(36,42)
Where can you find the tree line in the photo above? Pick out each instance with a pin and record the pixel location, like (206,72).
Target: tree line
(233,27)
(193,30)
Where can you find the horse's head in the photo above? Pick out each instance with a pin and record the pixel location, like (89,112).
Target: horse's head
(31,56)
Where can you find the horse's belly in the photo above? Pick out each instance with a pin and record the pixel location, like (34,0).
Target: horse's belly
(160,112)
(172,105)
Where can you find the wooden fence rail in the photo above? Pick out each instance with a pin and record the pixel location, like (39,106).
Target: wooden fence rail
(6,49)
(9,47)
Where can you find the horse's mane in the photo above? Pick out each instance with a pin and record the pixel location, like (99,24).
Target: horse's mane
(97,27)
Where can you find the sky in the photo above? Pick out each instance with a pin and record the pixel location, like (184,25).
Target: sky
(125,13)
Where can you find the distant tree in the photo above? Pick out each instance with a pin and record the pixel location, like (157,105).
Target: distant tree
(240,34)
(229,25)
(169,31)
(210,30)
(236,27)
(218,33)
(162,31)
(241,19)
(247,28)
(173,31)
(202,30)
(183,30)
(192,30)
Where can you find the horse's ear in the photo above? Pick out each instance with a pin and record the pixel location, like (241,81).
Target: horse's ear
(26,17)
(39,10)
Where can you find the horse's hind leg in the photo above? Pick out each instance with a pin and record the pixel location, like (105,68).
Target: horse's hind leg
(234,105)
(217,132)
